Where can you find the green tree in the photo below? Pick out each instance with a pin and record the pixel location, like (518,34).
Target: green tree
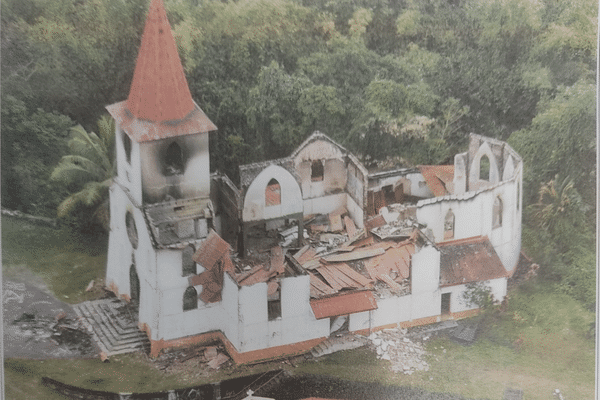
(88,171)
(32,141)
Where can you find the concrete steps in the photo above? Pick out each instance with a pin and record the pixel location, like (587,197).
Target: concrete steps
(113,326)
(338,343)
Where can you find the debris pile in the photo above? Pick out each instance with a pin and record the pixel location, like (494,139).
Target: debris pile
(405,355)
(62,331)
(193,362)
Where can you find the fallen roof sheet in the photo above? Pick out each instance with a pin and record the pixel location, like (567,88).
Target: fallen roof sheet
(375,222)
(439,178)
(213,250)
(344,276)
(214,256)
(343,304)
(395,261)
(354,255)
(318,288)
(469,260)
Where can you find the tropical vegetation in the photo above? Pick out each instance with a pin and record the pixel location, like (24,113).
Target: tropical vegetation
(404,80)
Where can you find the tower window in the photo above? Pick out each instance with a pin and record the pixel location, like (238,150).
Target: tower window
(173,162)
(127,147)
(497,213)
(484,168)
(190,299)
(188,266)
(273,193)
(316,171)
(132,233)
(449,225)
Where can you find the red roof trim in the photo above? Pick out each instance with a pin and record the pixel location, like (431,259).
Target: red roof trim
(343,304)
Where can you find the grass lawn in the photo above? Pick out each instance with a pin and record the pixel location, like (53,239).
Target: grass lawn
(57,259)
(539,343)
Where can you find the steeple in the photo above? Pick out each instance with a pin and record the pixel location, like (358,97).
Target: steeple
(159,91)
(160,104)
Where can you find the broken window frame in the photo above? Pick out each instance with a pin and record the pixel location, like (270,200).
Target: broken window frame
(127,147)
(317,171)
(188,265)
(131,229)
(273,186)
(190,299)
(173,160)
(274,309)
(446,304)
(497,211)
(449,224)
(484,168)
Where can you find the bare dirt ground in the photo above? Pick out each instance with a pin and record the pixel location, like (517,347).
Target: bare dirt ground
(38,326)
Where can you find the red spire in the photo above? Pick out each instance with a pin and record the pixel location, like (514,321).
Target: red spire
(159,91)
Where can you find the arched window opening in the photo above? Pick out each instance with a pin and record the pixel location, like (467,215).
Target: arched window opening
(484,168)
(273,193)
(317,171)
(132,233)
(134,284)
(127,147)
(188,266)
(190,299)
(497,217)
(173,162)
(449,225)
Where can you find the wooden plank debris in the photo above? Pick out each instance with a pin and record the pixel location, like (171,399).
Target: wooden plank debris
(318,288)
(277,260)
(355,255)
(312,264)
(335,223)
(350,227)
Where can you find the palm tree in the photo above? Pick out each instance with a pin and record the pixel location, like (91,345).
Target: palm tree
(89,169)
(559,203)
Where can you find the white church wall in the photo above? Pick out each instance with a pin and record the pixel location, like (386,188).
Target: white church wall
(458,303)
(298,322)
(255,208)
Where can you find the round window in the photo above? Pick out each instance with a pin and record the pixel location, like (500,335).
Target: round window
(131,229)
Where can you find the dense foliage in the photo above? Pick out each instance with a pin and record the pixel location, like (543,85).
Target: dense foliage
(400,79)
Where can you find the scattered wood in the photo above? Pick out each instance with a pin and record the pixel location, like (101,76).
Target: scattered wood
(277,260)
(350,227)
(318,288)
(335,223)
(312,264)
(355,255)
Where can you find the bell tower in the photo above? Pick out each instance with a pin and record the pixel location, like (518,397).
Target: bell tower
(160,199)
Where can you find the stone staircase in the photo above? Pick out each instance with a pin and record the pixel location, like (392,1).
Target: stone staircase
(113,325)
(338,343)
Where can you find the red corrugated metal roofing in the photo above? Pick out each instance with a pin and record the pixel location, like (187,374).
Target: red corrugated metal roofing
(395,261)
(343,304)
(159,91)
(214,256)
(439,178)
(469,260)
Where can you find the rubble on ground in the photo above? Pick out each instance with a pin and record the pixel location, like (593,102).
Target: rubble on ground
(193,362)
(405,355)
(60,330)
